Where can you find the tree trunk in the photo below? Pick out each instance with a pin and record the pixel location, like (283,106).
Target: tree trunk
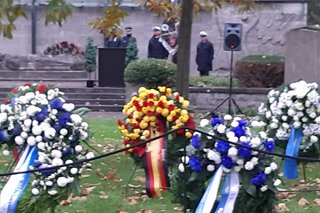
(185,29)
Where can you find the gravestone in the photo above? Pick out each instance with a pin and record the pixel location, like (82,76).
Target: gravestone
(302,52)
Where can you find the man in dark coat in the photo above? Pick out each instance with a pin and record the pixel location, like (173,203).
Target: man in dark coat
(112,42)
(205,54)
(155,47)
(128,37)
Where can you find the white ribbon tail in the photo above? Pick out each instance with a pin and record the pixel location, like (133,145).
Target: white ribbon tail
(209,197)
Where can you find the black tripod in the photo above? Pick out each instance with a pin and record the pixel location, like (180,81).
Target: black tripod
(231,101)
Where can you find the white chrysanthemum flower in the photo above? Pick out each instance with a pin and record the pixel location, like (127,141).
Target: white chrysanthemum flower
(50,133)
(185,159)
(78,148)
(237,169)
(221,128)
(204,122)
(291,112)
(277,182)
(227,117)
(230,134)
(263,134)
(313,139)
(210,168)
(232,152)
(85,126)
(36,130)
(62,181)
(273,166)
(73,171)
(69,107)
(255,160)
(52,192)
(268,114)
(90,155)
(32,110)
(83,135)
(3,117)
(19,140)
(56,153)
(57,162)
(64,132)
(76,119)
(240,161)
(274,125)
(297,124)
(35,191)
(181,167)
(31,141)
(255,141)
(233,139)
(264,188)
(267,170)
(248,166)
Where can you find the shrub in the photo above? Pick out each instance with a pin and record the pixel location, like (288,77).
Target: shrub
(151,73)
(260,71)
(90,56)
(211,81)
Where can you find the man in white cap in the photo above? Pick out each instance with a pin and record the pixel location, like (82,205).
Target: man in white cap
(155,47)
(205,54)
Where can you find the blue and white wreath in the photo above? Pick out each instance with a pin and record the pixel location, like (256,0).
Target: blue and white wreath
(212,155)
(47,131)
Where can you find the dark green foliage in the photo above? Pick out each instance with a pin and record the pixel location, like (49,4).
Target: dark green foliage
(313,12)
(90,56)
(260,71)
(263,202)
(132,52)
(211,81)
(151,73)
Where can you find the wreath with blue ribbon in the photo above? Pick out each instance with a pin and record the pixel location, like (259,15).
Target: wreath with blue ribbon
(43,130)
(223,152)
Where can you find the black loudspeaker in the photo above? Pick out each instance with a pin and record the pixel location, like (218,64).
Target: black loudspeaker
(232,36)
(111,67)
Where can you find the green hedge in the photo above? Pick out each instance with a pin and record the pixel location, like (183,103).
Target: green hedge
(151,73)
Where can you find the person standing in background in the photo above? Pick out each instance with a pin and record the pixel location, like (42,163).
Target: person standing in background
(128,37)
(155,47)
(205,54)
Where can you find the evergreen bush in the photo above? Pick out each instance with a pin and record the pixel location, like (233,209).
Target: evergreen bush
(151,73)
(90,56)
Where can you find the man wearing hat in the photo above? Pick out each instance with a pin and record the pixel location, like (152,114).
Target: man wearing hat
(205,54)
(128,37)
(155,47)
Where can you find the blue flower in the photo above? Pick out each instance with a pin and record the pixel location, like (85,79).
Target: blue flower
(269,145)
(216,120)
(239,131)
(195,164)
(40,116)
(259,179)
(46,170)
(195,141)
(75,140)
(4,136)
(57,127)
(222,147)
(12,101)
(227,162)
(243,151)
(67,151)
(64,118)
(242,123)
(56,104)
(16,130)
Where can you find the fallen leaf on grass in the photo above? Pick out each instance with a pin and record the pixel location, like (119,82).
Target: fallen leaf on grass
(303,202)
(111,176)
(281,207)
(140,179)
(81,199)
(286,195)
(65,202)
(120,211)
(317,201)
(178,209)
(87,191)
(145,211)
(104,196)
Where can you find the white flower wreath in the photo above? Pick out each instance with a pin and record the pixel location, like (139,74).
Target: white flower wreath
(297,106)
(36,116)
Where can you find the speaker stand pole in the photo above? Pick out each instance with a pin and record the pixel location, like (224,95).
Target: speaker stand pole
(230,100)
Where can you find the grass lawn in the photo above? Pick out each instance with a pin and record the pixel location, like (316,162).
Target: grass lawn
(103,186)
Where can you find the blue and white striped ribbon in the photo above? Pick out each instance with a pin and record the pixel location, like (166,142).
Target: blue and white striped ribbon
(290,165)
(16,184)
(229,194)
(210,195)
